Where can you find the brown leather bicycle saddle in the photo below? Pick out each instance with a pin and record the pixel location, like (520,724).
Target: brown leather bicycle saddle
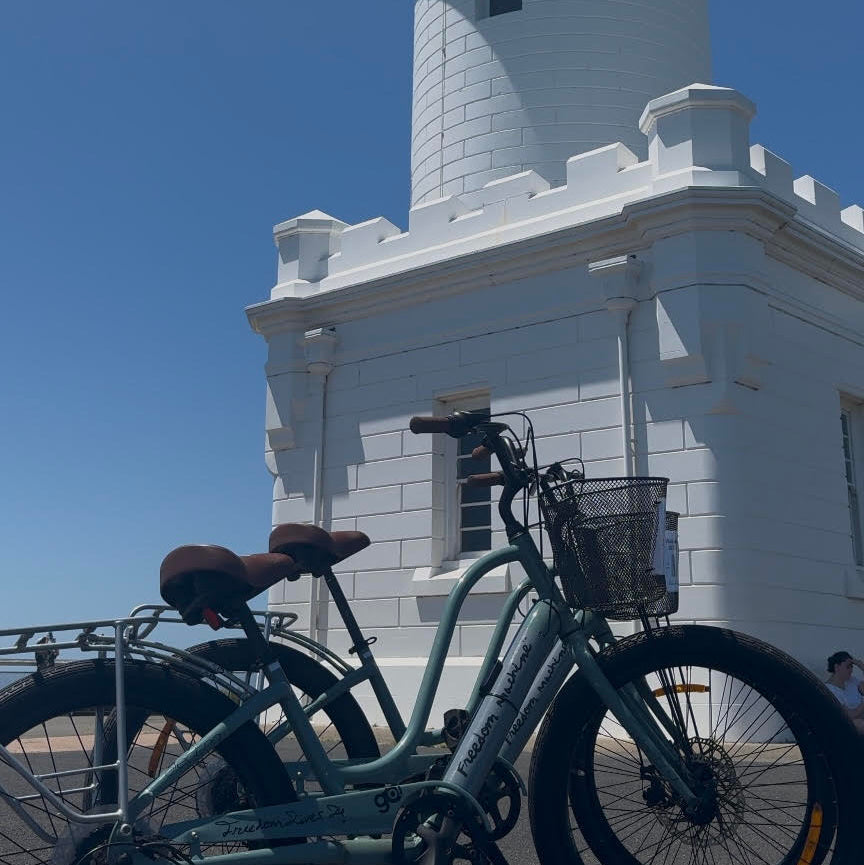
(196,579)
(312,548)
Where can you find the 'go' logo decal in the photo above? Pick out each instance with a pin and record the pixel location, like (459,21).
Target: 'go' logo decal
(387,797)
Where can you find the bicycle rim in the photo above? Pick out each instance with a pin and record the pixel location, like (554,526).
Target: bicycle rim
(61,728)
(770,798)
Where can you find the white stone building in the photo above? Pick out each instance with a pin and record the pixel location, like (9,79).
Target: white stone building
(541,255)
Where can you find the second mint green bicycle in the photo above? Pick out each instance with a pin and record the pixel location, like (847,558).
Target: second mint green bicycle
(682,744)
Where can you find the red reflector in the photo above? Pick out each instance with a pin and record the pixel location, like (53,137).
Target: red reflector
(212,618)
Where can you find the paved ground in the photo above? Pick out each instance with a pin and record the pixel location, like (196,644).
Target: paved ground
(17,842)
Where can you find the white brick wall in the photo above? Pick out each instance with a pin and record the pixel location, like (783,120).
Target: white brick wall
(759,486)
(381,500)
(737,358)
(530,88)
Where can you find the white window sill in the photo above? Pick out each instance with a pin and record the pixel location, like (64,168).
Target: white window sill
(435,582)
(854,582)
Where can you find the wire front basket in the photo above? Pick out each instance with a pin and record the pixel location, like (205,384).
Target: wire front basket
(607,537)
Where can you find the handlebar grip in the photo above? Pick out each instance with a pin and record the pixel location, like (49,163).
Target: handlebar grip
(481,452)
(420,425)
(487,479)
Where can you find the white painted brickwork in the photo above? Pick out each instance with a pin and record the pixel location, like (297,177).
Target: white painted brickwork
(747,325)
(528,89)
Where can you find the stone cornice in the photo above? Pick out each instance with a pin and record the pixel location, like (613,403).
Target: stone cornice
(278,316)
(809,249)
(749,210)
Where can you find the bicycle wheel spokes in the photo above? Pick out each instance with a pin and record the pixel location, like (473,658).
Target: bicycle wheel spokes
(158,743)
(748,769)
(61,726)
(61,751)
(763,751)
(288,747)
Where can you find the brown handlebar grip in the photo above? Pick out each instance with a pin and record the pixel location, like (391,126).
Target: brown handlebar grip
(487,479)
(481,452)
(429,425)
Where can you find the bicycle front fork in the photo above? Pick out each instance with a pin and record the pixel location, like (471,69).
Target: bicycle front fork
(631,707)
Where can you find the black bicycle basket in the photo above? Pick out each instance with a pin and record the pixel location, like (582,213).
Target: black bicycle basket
(603,533)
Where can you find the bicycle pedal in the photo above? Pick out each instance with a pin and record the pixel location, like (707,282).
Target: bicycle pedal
(455,723)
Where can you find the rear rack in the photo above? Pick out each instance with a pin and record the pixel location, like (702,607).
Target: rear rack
(40,646)
(37,648)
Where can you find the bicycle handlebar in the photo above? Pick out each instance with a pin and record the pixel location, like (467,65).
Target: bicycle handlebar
(461,423)
(421,425)
(486,479)
(515,474)
(456,425)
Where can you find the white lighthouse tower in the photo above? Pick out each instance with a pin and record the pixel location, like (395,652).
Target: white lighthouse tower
(503,86)
(594,240)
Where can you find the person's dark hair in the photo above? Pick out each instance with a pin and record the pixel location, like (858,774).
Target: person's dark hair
(837,658)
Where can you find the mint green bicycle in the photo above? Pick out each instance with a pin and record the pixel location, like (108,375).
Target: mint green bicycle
(680,744)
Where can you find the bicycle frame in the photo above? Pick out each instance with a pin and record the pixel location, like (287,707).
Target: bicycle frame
(548,642)
(506,706)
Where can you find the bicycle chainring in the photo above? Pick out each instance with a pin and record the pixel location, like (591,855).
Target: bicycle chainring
(437,829)
(501,786)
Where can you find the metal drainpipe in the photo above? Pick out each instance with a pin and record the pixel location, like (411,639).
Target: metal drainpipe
(621,307)
(619,278)
(319,351)
(319,383)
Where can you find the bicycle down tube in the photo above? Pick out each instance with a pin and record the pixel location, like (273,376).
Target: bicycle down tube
(537,646)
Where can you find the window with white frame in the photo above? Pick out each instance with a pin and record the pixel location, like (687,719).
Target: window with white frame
(468,509)
(850,426)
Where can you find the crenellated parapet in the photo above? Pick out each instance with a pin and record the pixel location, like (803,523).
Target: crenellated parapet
(815,202)
(697,136)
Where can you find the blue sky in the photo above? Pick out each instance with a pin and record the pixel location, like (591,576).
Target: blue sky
(147,151)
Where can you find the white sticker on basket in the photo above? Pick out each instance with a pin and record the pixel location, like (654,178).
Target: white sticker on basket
(660,538)
(671,564)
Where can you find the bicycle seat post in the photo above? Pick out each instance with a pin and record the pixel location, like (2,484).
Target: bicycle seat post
(359,643)
(360,647)
(243,616)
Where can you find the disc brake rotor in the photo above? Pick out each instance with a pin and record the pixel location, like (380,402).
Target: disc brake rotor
(716,777)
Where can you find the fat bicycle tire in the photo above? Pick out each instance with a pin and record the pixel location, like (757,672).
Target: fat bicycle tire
(312,679)
(578,764)
(44,721)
